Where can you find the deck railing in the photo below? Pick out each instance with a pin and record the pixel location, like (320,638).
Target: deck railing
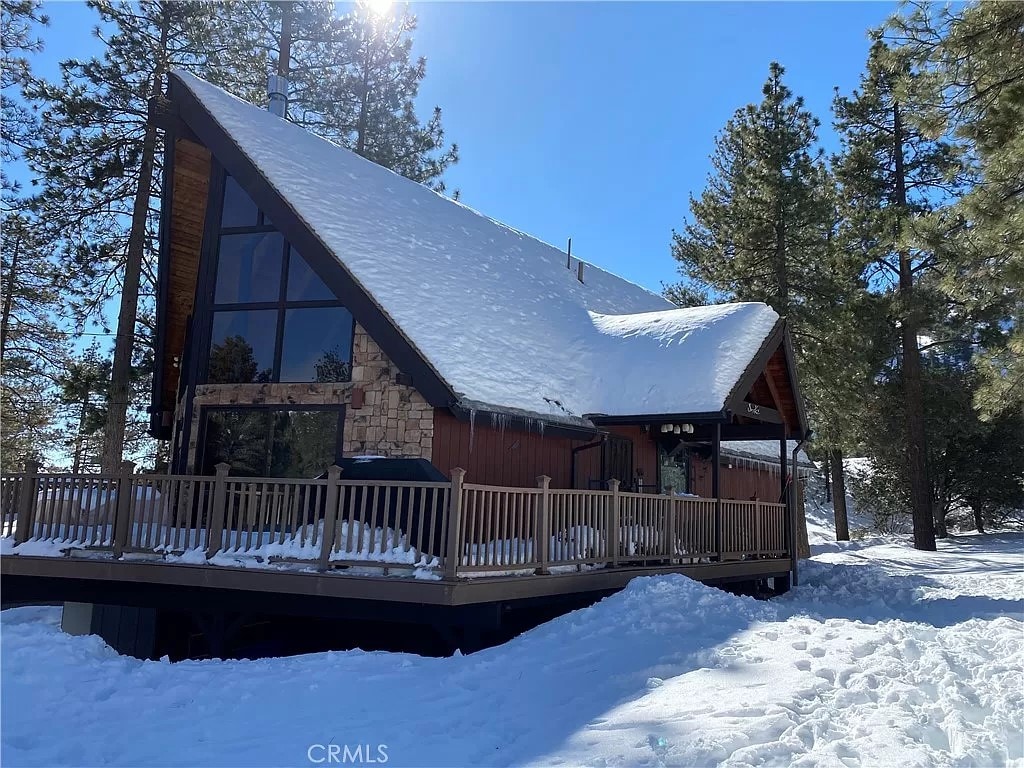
(452,529)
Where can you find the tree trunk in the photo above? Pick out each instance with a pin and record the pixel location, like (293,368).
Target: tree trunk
(364,103)
(941,530)
(826,470)
(979,518)
(80,437)
(913,390)
(9,283)
(835,460)
(119,396)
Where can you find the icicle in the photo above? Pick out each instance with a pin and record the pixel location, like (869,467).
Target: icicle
(472,424)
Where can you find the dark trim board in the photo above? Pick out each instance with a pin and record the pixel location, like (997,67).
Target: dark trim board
(703,417)
(334,274)
(136,582)
(158,406)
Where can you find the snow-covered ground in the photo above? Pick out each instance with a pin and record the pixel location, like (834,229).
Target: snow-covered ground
(884,656)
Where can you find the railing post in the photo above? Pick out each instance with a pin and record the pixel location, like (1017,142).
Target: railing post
(330,515)
(670,524)
(718,528)
(218,510)
(543,543)
(123,508)
(758,525)
(27,493)
(614,520)
(453,549)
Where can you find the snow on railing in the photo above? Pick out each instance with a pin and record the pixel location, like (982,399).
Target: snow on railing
(455,529)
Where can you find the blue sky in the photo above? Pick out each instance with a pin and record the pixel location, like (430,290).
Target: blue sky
(595,120)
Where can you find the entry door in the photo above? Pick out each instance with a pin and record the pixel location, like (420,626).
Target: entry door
(618,460)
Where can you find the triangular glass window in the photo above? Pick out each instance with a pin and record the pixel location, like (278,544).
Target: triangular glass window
(239,209)
(303,283)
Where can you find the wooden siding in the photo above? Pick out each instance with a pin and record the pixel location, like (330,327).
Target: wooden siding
(737,482)
(778,380)
(494,456)
(188,215)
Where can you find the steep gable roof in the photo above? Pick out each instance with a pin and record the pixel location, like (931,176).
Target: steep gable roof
(494,313)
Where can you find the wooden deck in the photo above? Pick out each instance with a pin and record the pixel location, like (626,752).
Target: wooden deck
(440,543)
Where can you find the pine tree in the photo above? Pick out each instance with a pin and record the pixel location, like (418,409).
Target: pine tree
(83,388)
(31,341)
(763,231)
(17,41)
(99,164)
(352,80)
(891,176)
(971,89)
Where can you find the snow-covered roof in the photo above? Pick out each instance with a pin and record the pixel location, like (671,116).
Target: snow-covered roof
(495,312)
(765,450)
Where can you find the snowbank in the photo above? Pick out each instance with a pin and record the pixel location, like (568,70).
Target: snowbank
(885,656)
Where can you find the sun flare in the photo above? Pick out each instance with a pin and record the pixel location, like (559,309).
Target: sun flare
(379,7)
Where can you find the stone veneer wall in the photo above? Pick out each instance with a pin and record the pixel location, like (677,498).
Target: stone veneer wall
(393,421)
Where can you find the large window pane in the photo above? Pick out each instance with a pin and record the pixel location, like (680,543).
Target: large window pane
(239,438)
(303,283)
(249,268)
(239,210)
(317,345)
(304,443)
(242,346)
(271,443)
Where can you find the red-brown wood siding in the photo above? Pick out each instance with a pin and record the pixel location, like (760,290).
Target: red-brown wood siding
(516,458)
(738,482)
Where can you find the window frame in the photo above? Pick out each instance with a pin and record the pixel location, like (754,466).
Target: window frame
(211,255)
(206,410)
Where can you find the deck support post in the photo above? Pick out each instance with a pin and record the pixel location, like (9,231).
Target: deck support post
(716,489)
(543,525)
(330,515)
(453,550)
(218,510)
(27,494)
(123,508)
(614,518)
(785,497)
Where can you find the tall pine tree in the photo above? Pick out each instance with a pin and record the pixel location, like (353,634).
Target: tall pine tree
(353,80)
(99,164)
(762,231)
(891,176)
(969,61)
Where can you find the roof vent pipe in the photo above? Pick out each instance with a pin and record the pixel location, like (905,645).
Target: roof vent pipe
(579,271)
(277,95)
(568,255)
